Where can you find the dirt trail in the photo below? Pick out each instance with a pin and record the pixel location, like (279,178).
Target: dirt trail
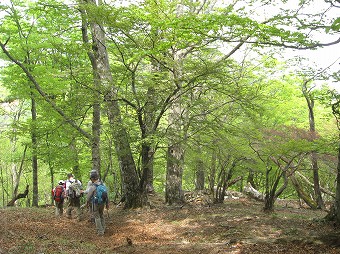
(237,226)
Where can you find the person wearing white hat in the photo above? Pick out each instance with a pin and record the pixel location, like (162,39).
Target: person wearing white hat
(58,197)
(73,192)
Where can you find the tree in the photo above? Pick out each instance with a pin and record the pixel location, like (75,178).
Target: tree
(334,213)
(310,103)
(101,68)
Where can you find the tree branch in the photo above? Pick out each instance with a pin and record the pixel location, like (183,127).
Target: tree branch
(43,94)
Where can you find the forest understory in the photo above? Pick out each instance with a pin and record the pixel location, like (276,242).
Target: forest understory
(237,226)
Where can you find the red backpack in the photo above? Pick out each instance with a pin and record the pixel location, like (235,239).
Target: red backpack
(58,193)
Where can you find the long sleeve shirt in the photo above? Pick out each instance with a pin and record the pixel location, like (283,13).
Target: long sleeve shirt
(91,191)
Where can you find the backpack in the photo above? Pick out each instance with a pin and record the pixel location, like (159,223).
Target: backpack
(74,189)
(100,195)
(58,193)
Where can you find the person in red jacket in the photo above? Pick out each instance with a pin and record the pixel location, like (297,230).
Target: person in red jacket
(58,196)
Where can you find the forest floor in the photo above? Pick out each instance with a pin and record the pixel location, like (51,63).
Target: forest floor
(237,226)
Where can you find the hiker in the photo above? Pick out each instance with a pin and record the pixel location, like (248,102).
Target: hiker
(89,184)
(97,198)
(58,196)
(73,193)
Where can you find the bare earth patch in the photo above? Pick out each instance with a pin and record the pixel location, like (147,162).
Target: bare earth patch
(237,226)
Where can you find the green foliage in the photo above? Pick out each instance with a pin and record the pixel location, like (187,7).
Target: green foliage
(159,53)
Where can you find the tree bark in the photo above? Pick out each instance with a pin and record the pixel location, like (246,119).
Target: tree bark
(35,200)
(302,194)
(96,128)
(334,213)
(135,197)
(273,192)
(175,159)
(147,155)
(337,193)
(314,160)
(200,176)
(212,171)
(148,126)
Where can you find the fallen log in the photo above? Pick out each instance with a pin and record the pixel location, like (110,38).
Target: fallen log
(251,192)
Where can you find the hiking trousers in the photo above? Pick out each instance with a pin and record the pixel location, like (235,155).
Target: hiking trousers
(73,203)
(59,208)
(98,214)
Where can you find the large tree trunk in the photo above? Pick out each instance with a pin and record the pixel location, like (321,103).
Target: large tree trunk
(175,159)
(334,214)
(96,127)
(148,127)
(96,113)
(135,197)
(147,155)
(175,154)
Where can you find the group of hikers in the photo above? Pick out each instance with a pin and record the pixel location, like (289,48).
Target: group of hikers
(70,193)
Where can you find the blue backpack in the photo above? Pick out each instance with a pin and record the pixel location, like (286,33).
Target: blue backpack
(100,195)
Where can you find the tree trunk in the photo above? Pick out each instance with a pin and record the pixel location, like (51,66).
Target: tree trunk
(148,126)
(302,194)
(18,175)
(135,197)
(317,188)
(151,125)
(96,127)
(173,190)
(200,175)
(250,178)
(315,168)
(35,200)
(222,179)
(337,193)
(334,213)
(147,155)
(175,154)
(212,171)
(273,192)
(221,187)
